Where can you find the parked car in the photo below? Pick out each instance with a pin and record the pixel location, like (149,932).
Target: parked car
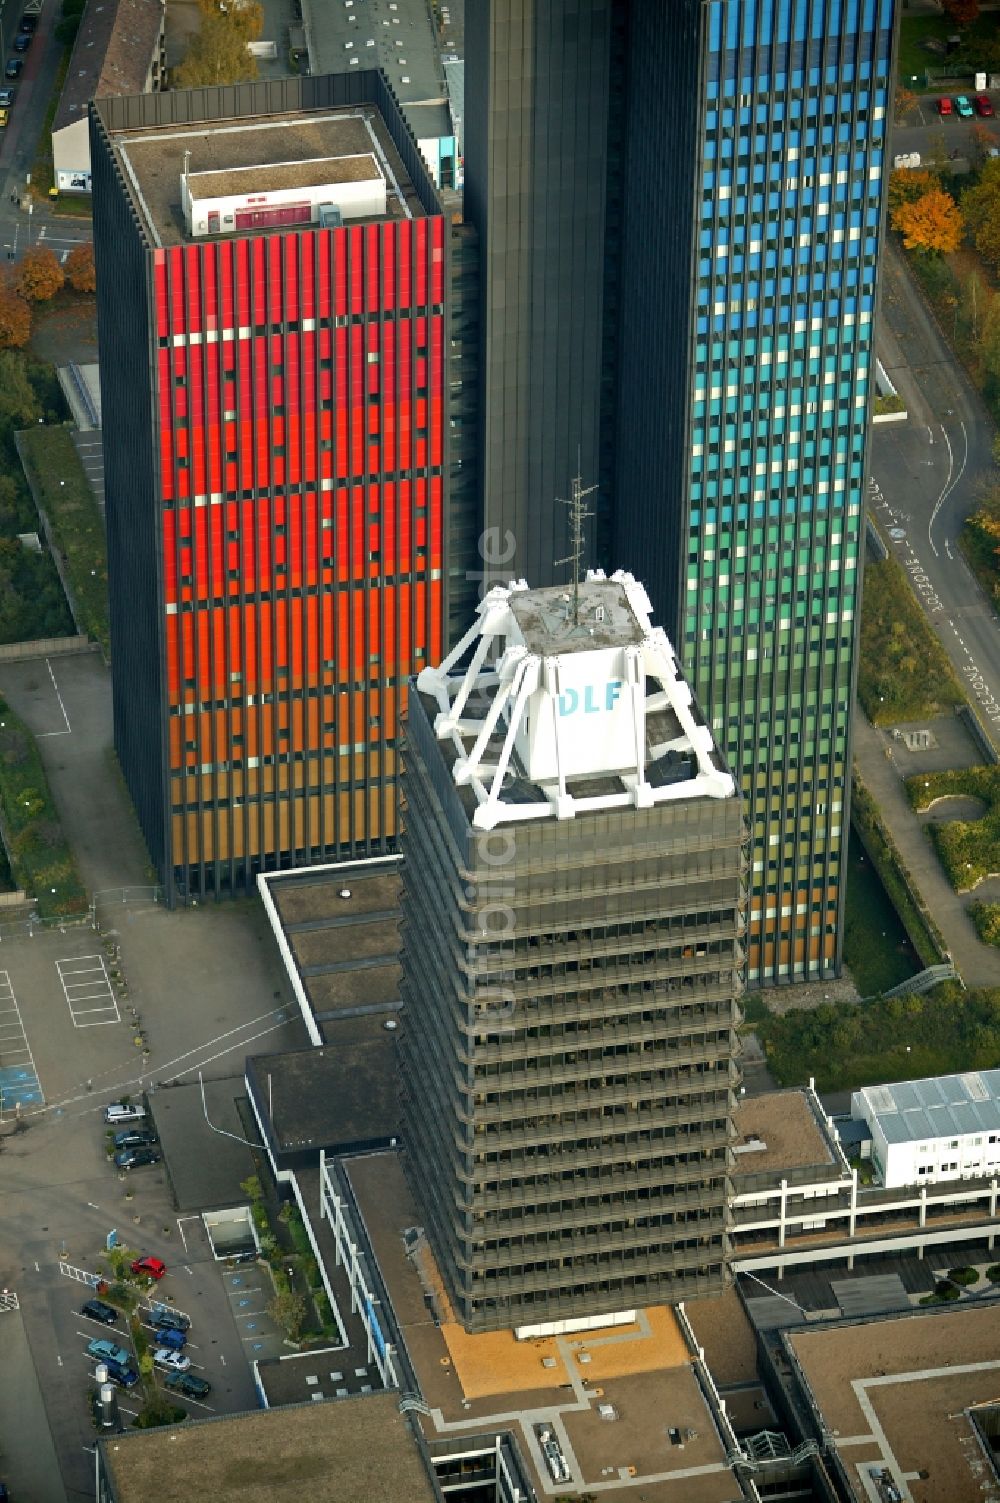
(170,1336)
(174,1362)
(3,117)
(154,1267)
(944,106)
(122,1374)
(22,41)
(118,1113)
(28,22)
(136,1137)
(188,1384)
(96,1309)
(165,1319)
(133,1158)
(962,105)
(7,98)
(14,68)
(106,1351)
(984,105)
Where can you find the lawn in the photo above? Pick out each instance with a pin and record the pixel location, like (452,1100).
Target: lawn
(53,465)
(904,673)
(42,861)
(894,878)
(969,850)
(876,947)
(942,1032)
(915,59)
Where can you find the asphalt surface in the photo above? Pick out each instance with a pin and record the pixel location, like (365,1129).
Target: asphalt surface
(19,141)
(927,474)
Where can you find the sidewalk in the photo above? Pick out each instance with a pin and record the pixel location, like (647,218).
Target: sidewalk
(978,964)
(28,1464)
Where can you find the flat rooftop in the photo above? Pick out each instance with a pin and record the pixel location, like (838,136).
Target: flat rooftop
(342,952)
(314,1453)
(153,159)
(550,625)
(337,1097)
(893,1394)
(941,1106)
(778,1130)
(401,40)
(475,1382)
(359,168)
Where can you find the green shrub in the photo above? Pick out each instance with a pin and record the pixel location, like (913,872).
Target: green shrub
(986,917)
(940,1032)
(41,859)
(946,1292)
(903,671)
(54,467)
(969,850)
(964,1276)
(993,1273)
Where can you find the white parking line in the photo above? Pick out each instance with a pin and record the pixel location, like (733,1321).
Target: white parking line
(69,728)
(19,1081)
(87,990)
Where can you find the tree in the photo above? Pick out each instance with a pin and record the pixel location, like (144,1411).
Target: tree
(15,317)
(288,1309)
(906,184)
(80,272)
(218,52)
(961,12)
(39,275)
(18,403)
(931,223)
(905,102)
(981,207)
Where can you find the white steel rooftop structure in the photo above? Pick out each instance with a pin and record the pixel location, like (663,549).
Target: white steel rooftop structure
(572,701)
(942,1106)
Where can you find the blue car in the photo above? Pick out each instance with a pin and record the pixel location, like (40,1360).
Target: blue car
(122,1374)
(170,1336)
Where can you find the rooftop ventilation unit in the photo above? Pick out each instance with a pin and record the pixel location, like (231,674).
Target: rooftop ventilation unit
(330,217)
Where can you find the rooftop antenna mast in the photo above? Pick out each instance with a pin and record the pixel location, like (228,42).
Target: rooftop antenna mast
(578,514)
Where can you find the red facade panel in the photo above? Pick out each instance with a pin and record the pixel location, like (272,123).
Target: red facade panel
(299,544)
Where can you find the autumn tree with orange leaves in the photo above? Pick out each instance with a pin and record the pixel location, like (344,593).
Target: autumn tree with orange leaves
(80,273)
(961,12)
(15,316)
(932,223)
(39,275)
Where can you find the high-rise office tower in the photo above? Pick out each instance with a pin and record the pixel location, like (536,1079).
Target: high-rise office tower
(280,316)
(572,954)
(728,160)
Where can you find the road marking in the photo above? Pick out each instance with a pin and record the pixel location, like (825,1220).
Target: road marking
(944,491)
(19,1083)
(947,549)
(59,1359)
(167,1068)
(950,483)
(84,980)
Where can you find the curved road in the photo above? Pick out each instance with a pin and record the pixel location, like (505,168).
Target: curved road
(926,474)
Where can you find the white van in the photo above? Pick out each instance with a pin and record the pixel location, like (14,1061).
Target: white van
(117,1113)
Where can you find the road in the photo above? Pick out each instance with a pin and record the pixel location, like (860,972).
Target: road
(18,142)
(928,472)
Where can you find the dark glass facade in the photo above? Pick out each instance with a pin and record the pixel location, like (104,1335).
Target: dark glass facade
(569,1045)
(742,199)
(279,475)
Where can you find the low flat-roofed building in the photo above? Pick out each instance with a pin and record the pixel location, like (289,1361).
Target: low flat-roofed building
(338,933)
(889,1398)
(626,1404)
(119,49)
(945,1127)
(354,1449)
(341,1097)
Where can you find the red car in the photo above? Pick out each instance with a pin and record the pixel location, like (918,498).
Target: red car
(944,106)
(984,105)
(151,1266)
